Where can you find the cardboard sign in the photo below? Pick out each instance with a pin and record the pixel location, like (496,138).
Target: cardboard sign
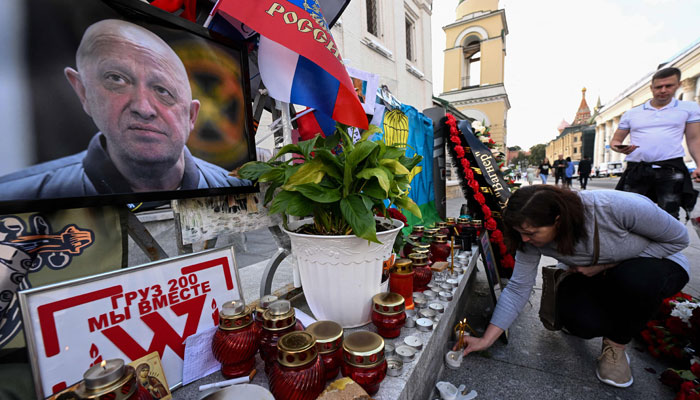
(125,314)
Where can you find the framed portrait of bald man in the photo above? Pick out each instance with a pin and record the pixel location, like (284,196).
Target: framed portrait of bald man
(118,102)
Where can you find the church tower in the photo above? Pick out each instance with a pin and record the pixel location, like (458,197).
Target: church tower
(474,64)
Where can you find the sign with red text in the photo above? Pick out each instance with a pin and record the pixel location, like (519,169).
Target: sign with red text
(125,314)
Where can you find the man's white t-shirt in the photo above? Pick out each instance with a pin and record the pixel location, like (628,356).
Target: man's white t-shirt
(658,132)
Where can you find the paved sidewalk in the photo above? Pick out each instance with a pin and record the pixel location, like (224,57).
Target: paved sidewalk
(539,364)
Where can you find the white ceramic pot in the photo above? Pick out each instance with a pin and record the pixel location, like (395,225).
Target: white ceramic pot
(340,274)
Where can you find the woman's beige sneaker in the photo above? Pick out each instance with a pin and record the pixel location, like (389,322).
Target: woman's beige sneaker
(614,366)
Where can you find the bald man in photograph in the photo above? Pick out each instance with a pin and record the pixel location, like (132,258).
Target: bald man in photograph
(135,89)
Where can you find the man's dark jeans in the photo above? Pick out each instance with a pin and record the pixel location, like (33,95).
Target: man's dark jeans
(666,183)
(617,303)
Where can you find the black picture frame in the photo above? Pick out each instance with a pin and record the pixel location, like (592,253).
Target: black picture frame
(491,270)
(157,21)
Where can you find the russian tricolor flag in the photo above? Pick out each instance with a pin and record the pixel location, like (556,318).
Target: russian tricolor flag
(298,59)
(311,123)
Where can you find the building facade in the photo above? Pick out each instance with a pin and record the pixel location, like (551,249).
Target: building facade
(391,39)
(575,140)
(606,123)
(475,53)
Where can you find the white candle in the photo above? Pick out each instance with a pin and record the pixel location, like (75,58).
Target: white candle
(108,371)
(453,359)
(231,308)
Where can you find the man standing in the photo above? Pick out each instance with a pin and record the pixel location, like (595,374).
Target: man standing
(560,170)
(655,165)
(584,171)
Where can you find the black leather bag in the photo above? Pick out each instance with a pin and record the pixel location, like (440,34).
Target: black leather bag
(551,278)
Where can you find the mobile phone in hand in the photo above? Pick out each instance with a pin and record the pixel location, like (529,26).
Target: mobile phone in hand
(621,146)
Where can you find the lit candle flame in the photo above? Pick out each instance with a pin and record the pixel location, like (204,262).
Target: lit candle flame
(103,364)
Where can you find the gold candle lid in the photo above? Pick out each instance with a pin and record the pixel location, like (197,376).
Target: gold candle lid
(279,316)
(450,220)
(414,238)
(421,251)
(476,222)
(418,228)
(328,335)
(363,349)
(441,238)
(462,220)
(234,315)
(441,224)
(418,259)
(403,266)
(431,231)
(296,349)
(388,303)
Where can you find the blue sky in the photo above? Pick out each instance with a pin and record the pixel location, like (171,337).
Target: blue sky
(555,48)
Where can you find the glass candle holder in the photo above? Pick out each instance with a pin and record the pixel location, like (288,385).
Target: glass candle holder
(418,230)
(263,304)
(401,280)
(278,320)
(442,229)
(440,249)
(462,223)
(388,314)
(408,247)
(329,344)
(364,361)
(111,379)
(297,373)
(236,340)
(423,273)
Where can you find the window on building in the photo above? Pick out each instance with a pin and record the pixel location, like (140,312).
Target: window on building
(471,75)
(575,150)
(575,138)
(372,17)
(409,40)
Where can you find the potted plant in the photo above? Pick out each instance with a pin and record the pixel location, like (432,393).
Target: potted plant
(342,186)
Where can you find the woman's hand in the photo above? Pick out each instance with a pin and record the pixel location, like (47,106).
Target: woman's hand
(471,344)
(591,270)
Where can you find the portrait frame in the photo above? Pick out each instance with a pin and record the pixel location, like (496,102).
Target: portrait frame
(156,21)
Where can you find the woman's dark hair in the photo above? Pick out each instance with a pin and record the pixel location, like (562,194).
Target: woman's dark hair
(540,205)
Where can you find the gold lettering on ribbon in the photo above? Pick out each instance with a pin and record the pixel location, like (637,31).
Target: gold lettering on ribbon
(491,171)
(275,7)
(290,17)
(304,25)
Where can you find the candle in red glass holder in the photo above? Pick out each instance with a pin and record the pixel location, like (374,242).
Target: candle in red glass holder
(263,304)
(113,380)
(418,230)
(442,228)
(476,223)
(423,248)
(463,223)
(363,360)
(329,344)
(451,225)
(298,371)
(401,280)
(388,314)
(422,272)
(410,242)
(439,249)
(236,340)
(278,320)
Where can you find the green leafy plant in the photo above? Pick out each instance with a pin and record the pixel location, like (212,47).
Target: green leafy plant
(341,184)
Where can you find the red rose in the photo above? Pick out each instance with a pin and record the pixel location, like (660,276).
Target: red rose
(646,336)
(671,378)
(508,261)
(460,151)
(468,173)
(487,211)
(475,186)
(502,248)
(479,197)
(676,326)
(455,139)
(695,369)
(497,235)
(491,141)
(465,164)
(491,224)
(396,214)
